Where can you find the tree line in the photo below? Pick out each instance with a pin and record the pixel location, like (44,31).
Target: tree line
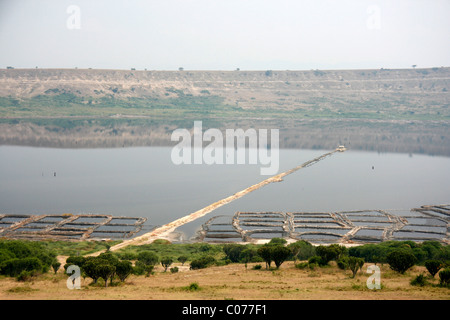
(25,259)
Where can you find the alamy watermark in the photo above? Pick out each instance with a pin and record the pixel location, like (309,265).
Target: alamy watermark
(228,149)
(373,21)
(74,281)
(374,281)
(73,22)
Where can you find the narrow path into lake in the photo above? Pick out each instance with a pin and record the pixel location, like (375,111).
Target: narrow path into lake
(164,231)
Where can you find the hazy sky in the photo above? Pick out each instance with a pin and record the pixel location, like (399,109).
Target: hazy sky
(224,34)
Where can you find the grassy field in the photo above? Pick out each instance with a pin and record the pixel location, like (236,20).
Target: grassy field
(234,282)
(223,280)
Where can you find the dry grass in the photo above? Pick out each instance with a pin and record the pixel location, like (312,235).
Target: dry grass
(233,282)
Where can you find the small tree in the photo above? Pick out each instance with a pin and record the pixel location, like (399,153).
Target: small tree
(295,250)
(317,260)
(444,277)
(148,269)
(247,255)
(110,259)
(401,260)
(55,266)
(279,254)
(123,270)
(433,266)
(105,271)
(354,264)
(265,253)
(166,262)
(182,259)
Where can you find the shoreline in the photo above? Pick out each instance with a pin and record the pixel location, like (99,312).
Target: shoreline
(167,229)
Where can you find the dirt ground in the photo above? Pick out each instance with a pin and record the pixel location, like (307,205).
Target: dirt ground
(233,282)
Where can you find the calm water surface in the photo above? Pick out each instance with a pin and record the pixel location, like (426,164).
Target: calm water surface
(144,182)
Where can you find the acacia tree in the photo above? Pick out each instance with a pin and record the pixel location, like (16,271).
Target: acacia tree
(276,253)
(265,253)
(89,269)
(279,254)
(166,262)
(55,266)
(105,271)
(123,270)
(182,259)
(433,266)
(247,255)
(354,264)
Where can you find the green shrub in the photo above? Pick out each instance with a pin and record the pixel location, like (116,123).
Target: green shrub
(193,287)
(127,256)
(6,255)
(401,260)
(444,277)
(302,265)
(142,268)
(174,270)
(15,266)
(317,260)
(427,250)
(257,267)
(25,275)
(419,281)
(342,263)
(203,262)
(313,265)
(18,255)
(277,241)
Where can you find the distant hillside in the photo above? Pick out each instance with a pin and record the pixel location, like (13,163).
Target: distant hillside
(245,89)
(402,110)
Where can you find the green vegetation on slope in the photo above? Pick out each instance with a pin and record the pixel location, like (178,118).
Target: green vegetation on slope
(63,109)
